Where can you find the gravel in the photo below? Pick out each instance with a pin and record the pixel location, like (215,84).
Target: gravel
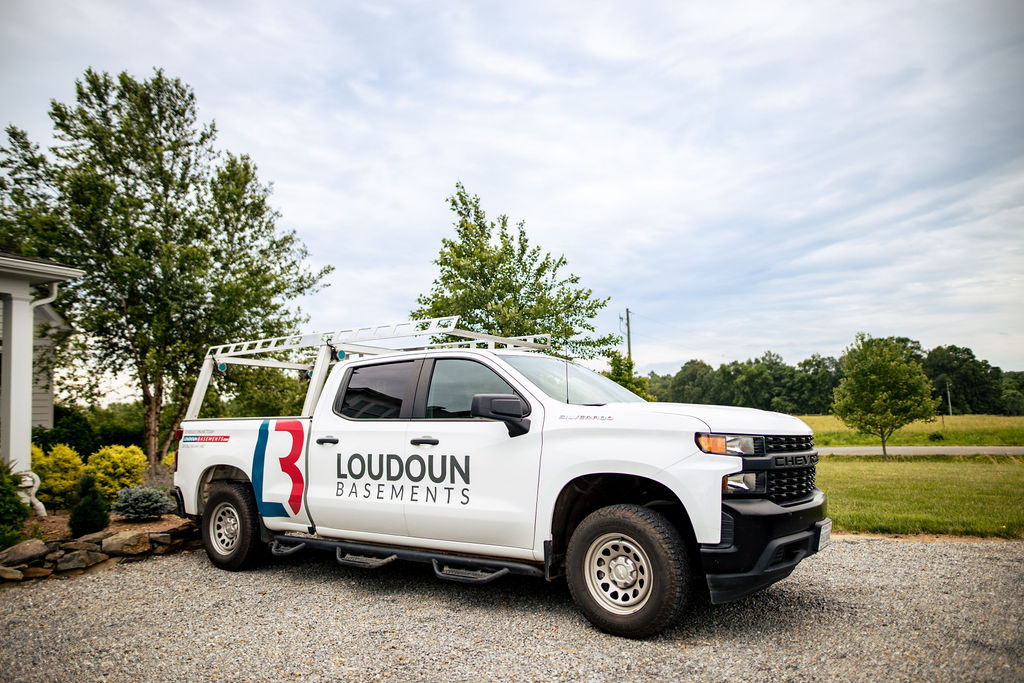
(876,609)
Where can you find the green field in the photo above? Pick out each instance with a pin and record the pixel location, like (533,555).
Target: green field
(959,495)
(956,430)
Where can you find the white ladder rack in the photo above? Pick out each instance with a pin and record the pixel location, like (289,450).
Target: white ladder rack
(352,341)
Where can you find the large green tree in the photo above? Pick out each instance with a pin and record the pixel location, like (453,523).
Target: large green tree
(179,242)
(498,283)
(883,388)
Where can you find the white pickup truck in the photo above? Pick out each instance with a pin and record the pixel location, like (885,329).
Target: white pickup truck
(485,457)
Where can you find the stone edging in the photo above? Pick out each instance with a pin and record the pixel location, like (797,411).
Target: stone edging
(35,559)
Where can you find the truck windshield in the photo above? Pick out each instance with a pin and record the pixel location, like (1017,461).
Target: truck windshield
(569,382)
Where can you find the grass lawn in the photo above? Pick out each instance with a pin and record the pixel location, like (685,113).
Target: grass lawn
(959,495)
(956,430)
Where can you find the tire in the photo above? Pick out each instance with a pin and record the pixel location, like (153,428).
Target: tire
(628,570)
(231,528)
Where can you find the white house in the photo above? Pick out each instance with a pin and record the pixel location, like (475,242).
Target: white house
(43,317)
(21,313)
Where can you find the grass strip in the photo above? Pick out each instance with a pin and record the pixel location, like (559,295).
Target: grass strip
(942,494)
(956,430)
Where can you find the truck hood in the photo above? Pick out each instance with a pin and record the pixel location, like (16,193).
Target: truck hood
(725,419)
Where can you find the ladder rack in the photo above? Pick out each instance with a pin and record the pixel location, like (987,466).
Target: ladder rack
(351,341)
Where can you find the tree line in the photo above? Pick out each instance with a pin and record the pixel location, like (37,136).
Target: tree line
(956,376)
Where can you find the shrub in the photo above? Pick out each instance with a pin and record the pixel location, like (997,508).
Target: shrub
(142,502)
(115,468)
(59,471)
(169,459)
(90,513)
(13,512)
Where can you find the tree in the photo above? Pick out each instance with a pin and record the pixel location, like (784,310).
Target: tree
(499,284)
(883,388)
(622,373)
(659,386)
(975,386)
(179,242)
(816,379)
(692,384)
(1013,393)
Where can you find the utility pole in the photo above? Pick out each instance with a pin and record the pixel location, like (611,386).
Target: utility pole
(629,340)
(949,401)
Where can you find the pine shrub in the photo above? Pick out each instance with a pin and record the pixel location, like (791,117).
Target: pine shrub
(90,513)
(13,512)
(142,502)
(115,468)
(59,471)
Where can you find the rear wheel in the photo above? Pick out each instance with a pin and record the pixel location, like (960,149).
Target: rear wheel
(628,570)
(231,527)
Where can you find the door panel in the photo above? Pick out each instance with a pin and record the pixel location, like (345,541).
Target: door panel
(480,484)
(350,488)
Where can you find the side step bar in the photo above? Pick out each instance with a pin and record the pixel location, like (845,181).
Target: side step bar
(450,567)
(350,560)
(465,575)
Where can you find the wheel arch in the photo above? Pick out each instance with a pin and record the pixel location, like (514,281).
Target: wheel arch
(590,492)
(214,475)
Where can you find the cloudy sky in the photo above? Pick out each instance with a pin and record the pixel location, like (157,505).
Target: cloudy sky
(743,176)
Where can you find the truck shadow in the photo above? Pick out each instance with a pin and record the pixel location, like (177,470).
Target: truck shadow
(790,607)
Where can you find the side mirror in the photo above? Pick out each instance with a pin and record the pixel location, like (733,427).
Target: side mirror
(504,407)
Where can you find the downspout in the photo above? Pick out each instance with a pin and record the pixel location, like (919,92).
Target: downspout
(39,302)
(30,480)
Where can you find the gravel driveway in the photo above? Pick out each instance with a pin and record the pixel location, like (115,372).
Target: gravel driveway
(874,609)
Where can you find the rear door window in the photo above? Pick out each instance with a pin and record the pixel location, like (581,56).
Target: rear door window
(378,392)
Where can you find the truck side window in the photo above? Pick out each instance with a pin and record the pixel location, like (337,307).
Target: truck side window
(376,392)
(453,384)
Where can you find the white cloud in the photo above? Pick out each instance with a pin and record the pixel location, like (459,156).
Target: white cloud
(747,175)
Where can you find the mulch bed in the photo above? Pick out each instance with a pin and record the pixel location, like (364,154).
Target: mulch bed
(54,527)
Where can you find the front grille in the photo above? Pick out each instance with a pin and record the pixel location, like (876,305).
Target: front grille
(788,444)
(790,484)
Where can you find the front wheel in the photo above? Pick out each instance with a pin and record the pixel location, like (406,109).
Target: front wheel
(231,527)
(628,570)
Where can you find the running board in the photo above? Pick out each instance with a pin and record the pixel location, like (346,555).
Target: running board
(465,575)
(459,568)
(279,550)
(350,560)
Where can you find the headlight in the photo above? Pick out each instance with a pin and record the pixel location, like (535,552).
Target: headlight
(728,444)
(745,482)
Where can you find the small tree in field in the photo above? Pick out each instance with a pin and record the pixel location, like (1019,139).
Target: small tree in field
(883,388)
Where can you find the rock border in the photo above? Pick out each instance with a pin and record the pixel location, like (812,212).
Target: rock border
(36,559)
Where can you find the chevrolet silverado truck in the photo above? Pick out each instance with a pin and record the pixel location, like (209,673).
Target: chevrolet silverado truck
(483,457)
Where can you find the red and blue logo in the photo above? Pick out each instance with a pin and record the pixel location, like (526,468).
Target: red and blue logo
(287,463)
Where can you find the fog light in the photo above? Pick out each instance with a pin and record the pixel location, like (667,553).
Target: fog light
(745,482)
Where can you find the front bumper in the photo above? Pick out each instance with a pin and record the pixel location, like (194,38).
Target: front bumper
(762,543)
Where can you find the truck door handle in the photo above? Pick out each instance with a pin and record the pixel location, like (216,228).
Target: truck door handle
(327,439)
(424,441)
